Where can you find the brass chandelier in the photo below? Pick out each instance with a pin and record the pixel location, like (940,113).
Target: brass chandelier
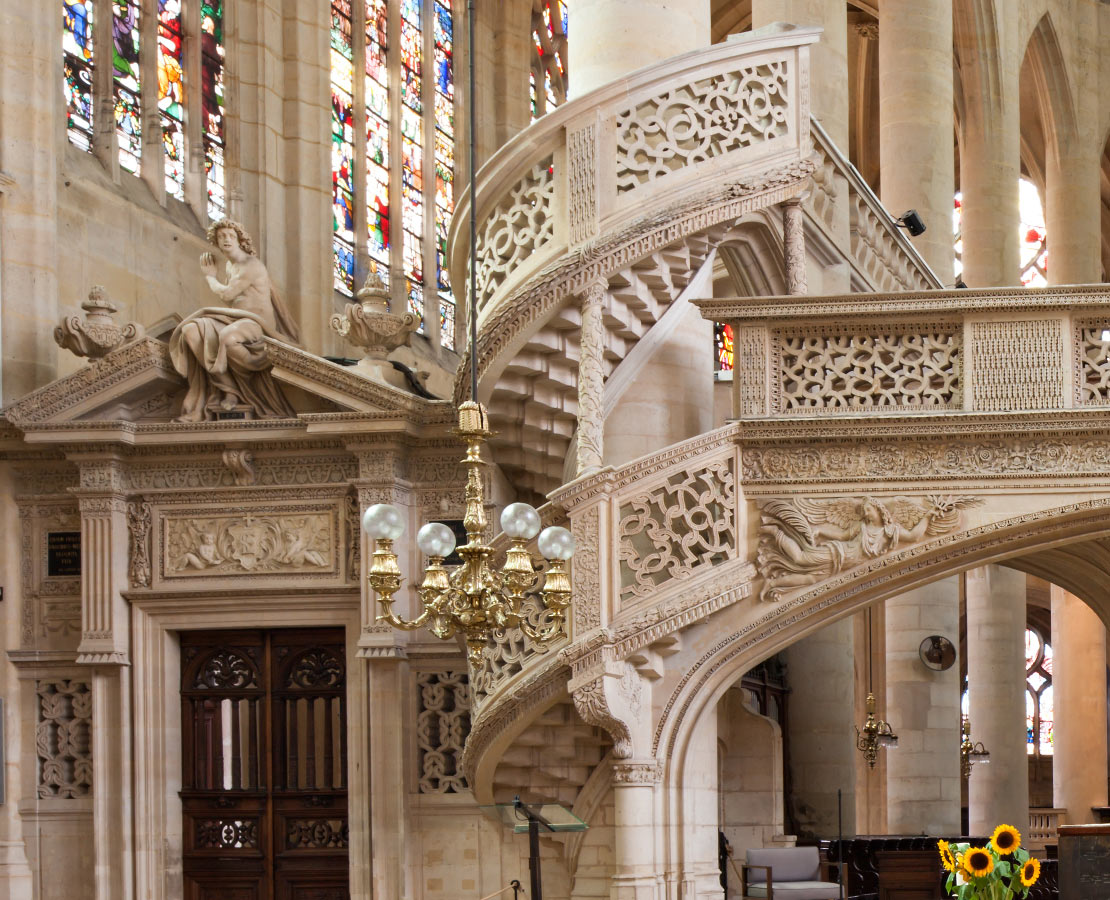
(971,753)
(473,600)
(875,732)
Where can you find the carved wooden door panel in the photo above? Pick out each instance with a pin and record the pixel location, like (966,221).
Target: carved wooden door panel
(264,765)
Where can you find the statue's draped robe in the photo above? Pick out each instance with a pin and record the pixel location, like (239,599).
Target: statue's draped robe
(241,369)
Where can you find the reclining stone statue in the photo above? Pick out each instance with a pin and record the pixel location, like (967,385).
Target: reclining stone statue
(220,349)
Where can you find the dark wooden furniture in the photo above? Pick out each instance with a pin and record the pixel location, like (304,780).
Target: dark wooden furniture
(910,875)
(1084,862)
(264,765)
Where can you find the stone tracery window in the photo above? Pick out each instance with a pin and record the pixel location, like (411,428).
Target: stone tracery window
(138,48)
(408,122)
(1033,236)
(548,76)
(1038,694)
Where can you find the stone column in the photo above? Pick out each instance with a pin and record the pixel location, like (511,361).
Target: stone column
(701,811)
(387,671)
(1073,215)
(591,380)
(923,707)
(915,120)
(828,58)
(105,644)
(615,37)
(998,792)
(1079,714)
(794,247)
(821,671)
(990,143)
(634,876)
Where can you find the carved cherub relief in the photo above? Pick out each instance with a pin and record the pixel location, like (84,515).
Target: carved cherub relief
(805,541)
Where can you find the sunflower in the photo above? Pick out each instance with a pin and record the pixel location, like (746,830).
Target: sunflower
(1031,871)
(978,862)
(947,857)
(1006,839)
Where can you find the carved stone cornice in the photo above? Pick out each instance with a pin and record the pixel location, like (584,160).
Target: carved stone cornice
(638,772)
(915,303)
(131,362)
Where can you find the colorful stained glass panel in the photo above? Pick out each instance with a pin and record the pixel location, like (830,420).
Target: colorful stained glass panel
(125,82)
(77,63)
(171,95)
(342,147)
(212,101)
(377,137)
(723,347)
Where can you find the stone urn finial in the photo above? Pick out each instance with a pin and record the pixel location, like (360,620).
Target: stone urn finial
(370,326)
(97,334)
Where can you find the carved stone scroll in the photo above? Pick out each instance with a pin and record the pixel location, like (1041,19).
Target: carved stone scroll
(593,707)
(802,542)
(138,527)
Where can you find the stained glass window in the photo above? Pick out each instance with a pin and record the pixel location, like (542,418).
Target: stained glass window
(342,147)
(405,185)
(125,82)
(548,77)
(77,63)
(1033,236)
(171,95)
(444,162)
(412,153)
(1038,694)
(722,347)
(212,101)
(377,137)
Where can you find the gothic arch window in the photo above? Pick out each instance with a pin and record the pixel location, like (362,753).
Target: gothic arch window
(548,76)
(383,99)
(1038,694)
(1032,235)
(121,63)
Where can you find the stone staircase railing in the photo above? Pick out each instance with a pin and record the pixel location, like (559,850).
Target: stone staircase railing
(1042,828)
(659,547)
(962,351)
(882,256)
(630,168)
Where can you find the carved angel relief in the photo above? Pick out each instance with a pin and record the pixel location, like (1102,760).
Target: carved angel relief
(802,542)
(236,544)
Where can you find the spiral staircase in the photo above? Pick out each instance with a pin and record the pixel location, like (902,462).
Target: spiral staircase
(634,188)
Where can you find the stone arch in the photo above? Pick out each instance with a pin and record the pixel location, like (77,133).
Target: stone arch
(1048,118)
(1049,541)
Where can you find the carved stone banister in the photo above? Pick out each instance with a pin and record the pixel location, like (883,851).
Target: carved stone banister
(882,255)
(964,351)
(608,163)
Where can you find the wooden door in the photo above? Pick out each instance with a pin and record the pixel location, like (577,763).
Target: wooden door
(264,765)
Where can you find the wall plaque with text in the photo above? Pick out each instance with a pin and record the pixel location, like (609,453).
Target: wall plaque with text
(63,554)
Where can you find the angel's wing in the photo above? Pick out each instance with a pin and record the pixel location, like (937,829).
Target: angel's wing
(843,512)
(906,512)
(944,511)
(784,515)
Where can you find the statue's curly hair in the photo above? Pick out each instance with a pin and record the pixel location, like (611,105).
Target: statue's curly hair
(245,242)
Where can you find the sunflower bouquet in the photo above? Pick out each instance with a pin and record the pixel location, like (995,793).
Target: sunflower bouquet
(999,871)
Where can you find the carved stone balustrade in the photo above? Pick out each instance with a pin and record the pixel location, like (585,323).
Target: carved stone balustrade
(97,334)
(881,256)
(610,176)
(963,351)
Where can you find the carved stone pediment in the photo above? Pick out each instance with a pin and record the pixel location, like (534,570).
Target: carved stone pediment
(136,386)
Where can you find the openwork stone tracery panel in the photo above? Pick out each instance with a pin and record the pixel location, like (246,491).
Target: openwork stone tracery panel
(62,738)
(686,522)
(701,120)
(910,366)
(520,225)
(442,726)
(1092,362)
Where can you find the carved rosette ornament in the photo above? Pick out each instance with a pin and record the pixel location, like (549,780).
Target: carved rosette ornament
(370,326)
(97,334)
(803,542)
